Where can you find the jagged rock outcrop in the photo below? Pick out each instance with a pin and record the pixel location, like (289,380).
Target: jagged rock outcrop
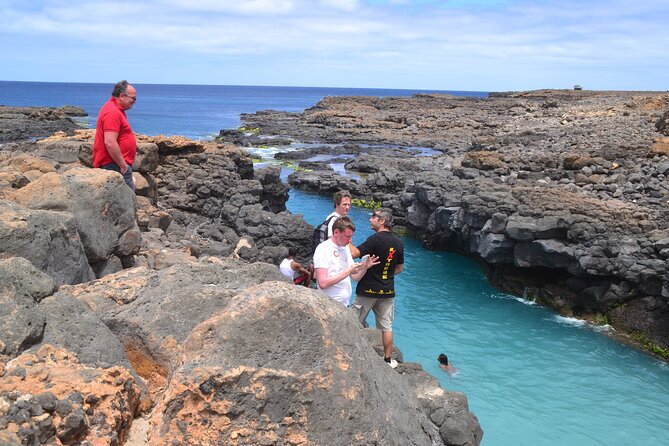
(207,194)
(187,338)
(217,196)
(229,351)
(274,192)
(23,123)
(563,195)
(326,182)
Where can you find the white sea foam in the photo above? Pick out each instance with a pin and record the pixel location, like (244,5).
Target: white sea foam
(264,152)
(522,300)
(569,320)
(603,328)
(574,322)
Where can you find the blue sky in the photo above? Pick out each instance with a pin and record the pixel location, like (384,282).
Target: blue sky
(482,45)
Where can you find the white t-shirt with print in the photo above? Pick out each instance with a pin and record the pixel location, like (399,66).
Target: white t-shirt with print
(336,259)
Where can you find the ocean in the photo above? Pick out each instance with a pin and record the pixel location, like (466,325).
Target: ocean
(194,111)
(532,377)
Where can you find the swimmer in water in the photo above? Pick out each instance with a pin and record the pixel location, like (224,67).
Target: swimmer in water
(444,364)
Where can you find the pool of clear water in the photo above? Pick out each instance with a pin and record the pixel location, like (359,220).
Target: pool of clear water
(532,377)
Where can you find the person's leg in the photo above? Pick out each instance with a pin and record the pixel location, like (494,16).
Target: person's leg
(387,339)
(111,166)
(384,311)
(362,305)
(310,268)
(127,176)
(300,280)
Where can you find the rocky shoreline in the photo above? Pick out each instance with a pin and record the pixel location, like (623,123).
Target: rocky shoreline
(162,318)
(563,196)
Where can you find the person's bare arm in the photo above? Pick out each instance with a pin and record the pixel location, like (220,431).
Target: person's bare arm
(326,282)
(399,268)
(371,261)
(111,142)
(355,252)
(295,266)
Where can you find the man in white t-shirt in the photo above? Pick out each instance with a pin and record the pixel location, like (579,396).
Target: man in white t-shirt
(342,204)
(334,265)
(292,269)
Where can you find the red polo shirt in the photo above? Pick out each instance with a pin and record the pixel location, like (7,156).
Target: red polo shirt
(112,119)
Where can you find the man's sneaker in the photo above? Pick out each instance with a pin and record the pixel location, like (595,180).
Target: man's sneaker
(391,362)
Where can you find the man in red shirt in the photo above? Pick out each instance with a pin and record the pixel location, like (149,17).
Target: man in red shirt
(115,146)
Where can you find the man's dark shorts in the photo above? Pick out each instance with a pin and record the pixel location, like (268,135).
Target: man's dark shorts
(127,176)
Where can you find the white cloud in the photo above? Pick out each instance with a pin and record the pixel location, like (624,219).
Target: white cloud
(248,7)
(358,38)
(344,5)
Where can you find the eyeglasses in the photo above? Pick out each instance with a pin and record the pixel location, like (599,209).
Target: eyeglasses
(376,216)
(134,98)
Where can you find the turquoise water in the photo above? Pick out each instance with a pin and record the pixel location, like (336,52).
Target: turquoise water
(532,378)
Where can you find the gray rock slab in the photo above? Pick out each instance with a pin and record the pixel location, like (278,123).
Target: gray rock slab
(71,324)
(22,320)
(156,310)
(102,205)
(48,239)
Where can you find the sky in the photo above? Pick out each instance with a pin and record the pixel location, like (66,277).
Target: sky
(470,45)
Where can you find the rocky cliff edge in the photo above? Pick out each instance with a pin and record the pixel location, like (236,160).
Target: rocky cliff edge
(166,329)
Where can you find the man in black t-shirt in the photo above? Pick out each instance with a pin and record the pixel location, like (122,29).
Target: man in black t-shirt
(376,290)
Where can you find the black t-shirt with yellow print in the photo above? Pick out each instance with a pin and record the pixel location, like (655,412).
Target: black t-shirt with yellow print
(379,281)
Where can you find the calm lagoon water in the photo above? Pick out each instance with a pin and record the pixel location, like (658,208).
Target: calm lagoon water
(532,377)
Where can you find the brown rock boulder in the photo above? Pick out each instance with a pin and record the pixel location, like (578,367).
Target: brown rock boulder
(27,163)
(12,179)
(285,365)
(145,161)
(49,398)
(576,161)
(662,124)
(19,170)
(483,161)
(660,147)
(147,158)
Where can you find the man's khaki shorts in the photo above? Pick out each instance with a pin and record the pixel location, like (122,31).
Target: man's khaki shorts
(384,310)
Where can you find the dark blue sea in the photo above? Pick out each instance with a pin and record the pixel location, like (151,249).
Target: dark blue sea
(194,111)
(533,378)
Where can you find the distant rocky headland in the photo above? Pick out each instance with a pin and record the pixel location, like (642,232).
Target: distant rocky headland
(162,318)
(563,196)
